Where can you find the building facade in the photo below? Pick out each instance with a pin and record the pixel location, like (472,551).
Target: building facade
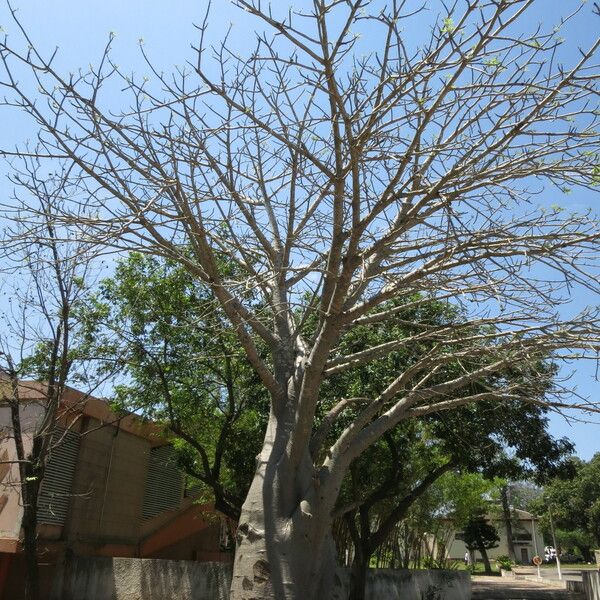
(111,488)
(527,538)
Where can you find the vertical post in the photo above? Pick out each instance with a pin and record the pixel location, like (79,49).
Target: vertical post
(533,533)
(536,559)
(558,570)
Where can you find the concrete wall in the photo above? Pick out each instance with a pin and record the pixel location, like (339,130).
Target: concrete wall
(153,579)
(591,584)
(141,579)
(403,584)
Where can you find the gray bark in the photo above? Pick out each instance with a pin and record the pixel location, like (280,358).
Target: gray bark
(486,560)
(284,547)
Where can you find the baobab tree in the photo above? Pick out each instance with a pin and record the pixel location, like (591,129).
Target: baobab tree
(338,182)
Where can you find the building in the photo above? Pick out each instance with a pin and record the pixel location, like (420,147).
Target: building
(527,538)
(111,489)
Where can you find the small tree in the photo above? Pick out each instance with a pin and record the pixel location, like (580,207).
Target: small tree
(40,345)
(575,506)
(480,535)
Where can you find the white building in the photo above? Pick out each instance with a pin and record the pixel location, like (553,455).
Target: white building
(527,538)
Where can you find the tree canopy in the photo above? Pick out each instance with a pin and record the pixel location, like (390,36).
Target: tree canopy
(335,183)
(481,535)
(574,506)
(180,365)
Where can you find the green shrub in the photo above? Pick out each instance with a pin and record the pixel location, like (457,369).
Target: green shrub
(504,562)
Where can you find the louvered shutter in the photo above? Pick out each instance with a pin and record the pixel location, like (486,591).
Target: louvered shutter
(56,488)
(164,483)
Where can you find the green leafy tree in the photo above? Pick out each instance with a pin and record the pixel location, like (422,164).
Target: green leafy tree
(180,365)
(574,505)
(179,374)
(384,483)
(424,536)
(480,535)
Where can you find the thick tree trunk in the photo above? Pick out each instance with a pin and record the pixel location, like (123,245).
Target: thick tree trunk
(486,560)
(30,484)
(358,575)
(508,524)
(284,549)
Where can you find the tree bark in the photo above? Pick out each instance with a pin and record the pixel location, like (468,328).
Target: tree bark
(508,524)
(29,487)
(32,579)
(486,560)
(367,541)
(358,575)
(284,546)
(361,538)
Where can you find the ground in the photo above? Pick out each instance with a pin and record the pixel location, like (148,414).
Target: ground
(504,588)
(501,588)
(568,572)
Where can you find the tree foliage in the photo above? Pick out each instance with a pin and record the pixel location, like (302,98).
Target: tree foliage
(180,366)
(481,535)
(574,504)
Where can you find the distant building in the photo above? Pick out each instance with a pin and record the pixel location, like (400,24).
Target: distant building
(111,489)
(527,538)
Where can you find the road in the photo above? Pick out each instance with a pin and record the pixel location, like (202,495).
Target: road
(571,573)
(503,588)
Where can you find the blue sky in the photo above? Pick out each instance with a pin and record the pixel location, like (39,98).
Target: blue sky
(81,29)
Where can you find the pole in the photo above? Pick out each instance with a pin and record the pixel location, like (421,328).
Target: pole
(558,570)
(537,561)
(535,545)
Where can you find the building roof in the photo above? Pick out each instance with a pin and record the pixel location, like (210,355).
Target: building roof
(76,404)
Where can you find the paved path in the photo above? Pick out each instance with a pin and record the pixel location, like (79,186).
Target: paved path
(503,588)
(572,573)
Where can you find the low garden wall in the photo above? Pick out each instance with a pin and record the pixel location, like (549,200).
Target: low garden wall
(82,578)
(591,584)
(403,584)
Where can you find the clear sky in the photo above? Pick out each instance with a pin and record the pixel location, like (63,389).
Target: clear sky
(81,29)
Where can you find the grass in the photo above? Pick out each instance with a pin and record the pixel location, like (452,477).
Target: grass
(479,569)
